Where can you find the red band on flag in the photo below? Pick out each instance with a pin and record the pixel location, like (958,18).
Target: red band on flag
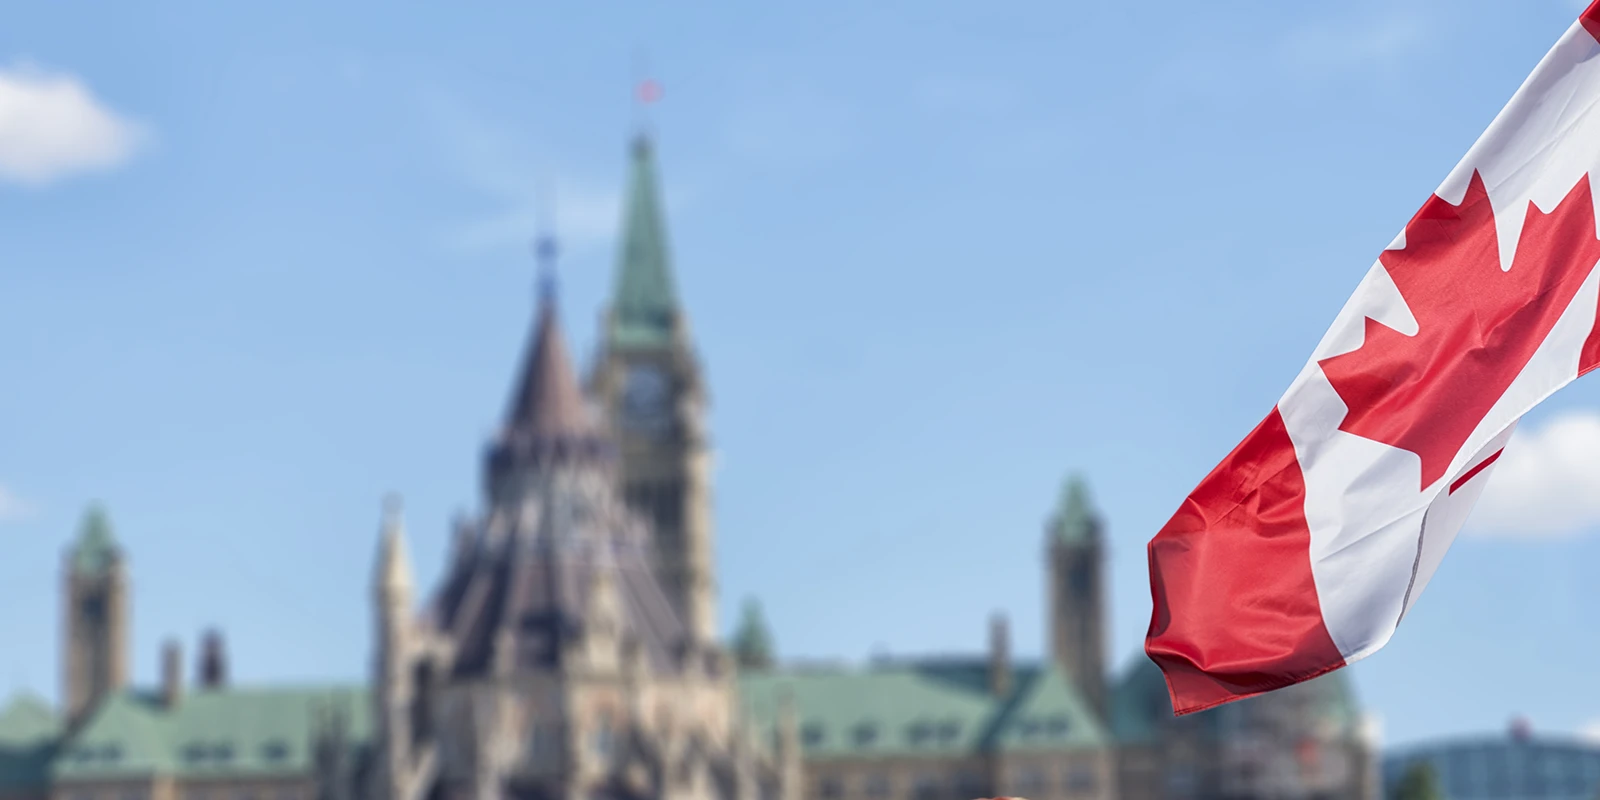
(1473,473)
(1236,610)
(1591,19)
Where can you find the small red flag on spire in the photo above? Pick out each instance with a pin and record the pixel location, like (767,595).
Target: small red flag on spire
(649,91)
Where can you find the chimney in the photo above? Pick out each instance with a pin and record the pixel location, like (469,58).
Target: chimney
(171,673)
(999,656)
(213,661)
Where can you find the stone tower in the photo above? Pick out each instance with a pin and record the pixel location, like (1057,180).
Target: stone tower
(1075,552)
(649,382)
(95,604)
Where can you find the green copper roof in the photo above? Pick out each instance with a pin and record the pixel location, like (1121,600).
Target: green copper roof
(28,730)
(1075,521)
(752,642)
(644,306)
(27,719)
(1140,704)
(95,550)
(226,733)
(933,709)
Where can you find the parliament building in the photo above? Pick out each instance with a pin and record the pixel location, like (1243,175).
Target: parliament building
(570,649)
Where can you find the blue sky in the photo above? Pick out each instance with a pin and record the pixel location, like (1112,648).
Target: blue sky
(265,266)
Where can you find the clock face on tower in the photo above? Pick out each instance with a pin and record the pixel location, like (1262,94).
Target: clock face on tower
(646,399)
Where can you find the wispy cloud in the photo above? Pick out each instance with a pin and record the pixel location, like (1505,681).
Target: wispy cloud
(1548,481)
(53,127)
(523,185)
(12,507)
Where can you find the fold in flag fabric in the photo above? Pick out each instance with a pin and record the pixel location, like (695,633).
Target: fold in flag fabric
(1301,552)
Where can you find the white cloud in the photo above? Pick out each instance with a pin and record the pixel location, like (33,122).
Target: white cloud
(1590,730)
(52,127)
(12,507)
(1548,481)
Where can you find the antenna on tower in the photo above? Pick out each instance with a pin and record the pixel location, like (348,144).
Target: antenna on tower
(545,247)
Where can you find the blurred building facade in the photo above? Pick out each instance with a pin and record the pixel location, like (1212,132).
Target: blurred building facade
(1515,766)
(570,649)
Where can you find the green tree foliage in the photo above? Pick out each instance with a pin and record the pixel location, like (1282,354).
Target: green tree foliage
(1419,783)
(752,642)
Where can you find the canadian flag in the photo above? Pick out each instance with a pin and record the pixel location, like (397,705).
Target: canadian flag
(1301,552)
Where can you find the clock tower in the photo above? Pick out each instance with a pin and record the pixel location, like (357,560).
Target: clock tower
(649,383)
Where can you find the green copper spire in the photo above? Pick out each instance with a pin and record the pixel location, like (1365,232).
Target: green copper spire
(96,549)
(752,643)
(1075,522)
(644,308)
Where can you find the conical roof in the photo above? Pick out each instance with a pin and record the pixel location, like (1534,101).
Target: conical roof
(548,405)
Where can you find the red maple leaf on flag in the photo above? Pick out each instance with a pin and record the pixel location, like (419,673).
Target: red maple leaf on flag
(1477,325)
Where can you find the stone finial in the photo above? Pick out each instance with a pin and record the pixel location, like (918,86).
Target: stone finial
(999,656)
(171,673)
(213,661)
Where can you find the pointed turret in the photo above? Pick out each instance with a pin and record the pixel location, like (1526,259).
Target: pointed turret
(548,418)
(548,403)
(393,687)
(392,577)
(644,310)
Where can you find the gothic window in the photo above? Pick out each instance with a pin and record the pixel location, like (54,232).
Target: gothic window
(1057,726)
(1080,779)
(927,787)
(921,733)
(275,751)
(1030,781)
(971,784)
(812,735)
(1081,580)
(877,786)
(603,740)
(829,787)
(948,732)
(669,508)
(422,704)
(866,733)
